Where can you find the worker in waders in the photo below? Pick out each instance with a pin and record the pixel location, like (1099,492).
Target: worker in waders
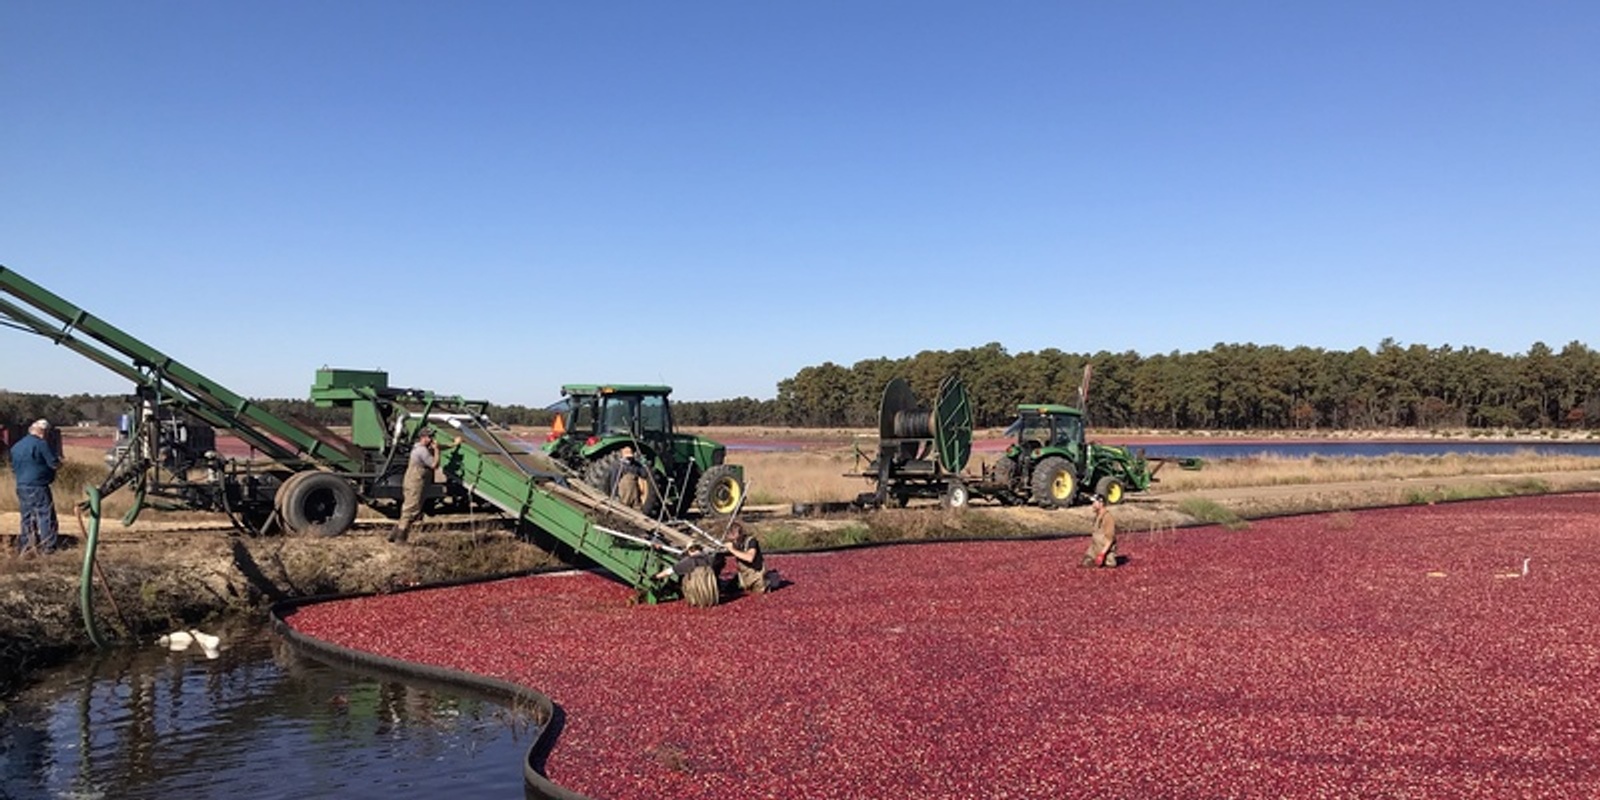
(1103,542)
(698,570)
(631,482)
(746,552)
(419,473)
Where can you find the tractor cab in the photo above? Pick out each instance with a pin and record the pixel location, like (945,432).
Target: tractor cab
(1047,430)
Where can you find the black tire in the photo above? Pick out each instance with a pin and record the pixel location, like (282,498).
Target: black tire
(1055,483)
(284,488)
(719,491)
(1112,489)
(318,504)
(1005,471)
(956,494)
(602,474)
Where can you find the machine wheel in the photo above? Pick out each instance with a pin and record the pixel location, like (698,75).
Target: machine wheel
(956,494)
(719,491)
(318,504)
(1112,489)
(1005,471)
(1054,483)
(602,474)
(284,488)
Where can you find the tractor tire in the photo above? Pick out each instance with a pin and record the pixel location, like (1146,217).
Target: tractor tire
(719,492)
(956,494)
(1055,483)
(602,474)
(1112,489)
(1005,471)
(318,504)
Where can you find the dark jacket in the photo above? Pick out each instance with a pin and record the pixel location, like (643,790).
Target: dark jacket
(33,462)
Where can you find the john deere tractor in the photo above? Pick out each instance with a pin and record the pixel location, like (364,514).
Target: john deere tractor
(1051,462)
(607,433)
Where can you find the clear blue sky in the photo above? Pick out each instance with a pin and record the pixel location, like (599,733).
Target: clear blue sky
(493,198)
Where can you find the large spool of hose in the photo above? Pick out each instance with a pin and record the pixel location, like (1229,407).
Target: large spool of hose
(913,425)
(912,430)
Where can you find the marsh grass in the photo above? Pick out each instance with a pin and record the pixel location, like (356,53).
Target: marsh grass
(1280,471)
(811,476)
(1212,512)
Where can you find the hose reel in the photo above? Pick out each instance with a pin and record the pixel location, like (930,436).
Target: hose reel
(912,432)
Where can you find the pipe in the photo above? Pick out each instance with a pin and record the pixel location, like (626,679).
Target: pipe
(86,579)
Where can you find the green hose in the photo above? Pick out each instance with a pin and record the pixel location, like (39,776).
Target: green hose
(86,580)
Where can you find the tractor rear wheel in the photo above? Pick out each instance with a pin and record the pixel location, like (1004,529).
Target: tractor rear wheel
(1112,489)
(1054,483)
(605,473)
(318,504)
(718,492)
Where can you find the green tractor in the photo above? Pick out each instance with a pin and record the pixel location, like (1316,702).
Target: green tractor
(1052,463)
(605,432)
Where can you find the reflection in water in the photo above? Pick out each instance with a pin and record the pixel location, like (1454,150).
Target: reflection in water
(257,722)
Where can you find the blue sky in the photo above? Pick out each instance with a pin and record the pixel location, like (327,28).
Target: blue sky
(491,199)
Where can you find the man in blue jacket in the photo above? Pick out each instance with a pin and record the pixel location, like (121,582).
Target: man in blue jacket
(34,465)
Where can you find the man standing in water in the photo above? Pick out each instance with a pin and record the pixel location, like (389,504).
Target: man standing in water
(1103,542)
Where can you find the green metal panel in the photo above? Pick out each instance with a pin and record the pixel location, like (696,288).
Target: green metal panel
(952,434)
(614,388)
(360,391)
(330,379)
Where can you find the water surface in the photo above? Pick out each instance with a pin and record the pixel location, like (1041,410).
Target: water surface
(258,721)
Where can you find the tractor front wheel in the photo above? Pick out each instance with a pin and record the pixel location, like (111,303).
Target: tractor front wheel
(719,491)
(1112,489)
(1054,483)
(1005,471)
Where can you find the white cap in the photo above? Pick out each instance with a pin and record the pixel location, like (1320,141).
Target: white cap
(40,425)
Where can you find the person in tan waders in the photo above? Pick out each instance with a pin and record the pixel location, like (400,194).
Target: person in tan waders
(419,473)
(1103,542)
(746,551)
(630,483)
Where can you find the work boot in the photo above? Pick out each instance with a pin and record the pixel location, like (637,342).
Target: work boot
(398,536)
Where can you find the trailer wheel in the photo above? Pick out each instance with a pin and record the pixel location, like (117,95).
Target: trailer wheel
(1054,483)
(956,495)
(318,504)
(719,491)
(1112,489)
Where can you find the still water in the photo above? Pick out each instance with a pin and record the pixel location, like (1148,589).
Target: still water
(258,721)
(1218,451)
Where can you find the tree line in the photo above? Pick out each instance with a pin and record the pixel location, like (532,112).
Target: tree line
(1228,387)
